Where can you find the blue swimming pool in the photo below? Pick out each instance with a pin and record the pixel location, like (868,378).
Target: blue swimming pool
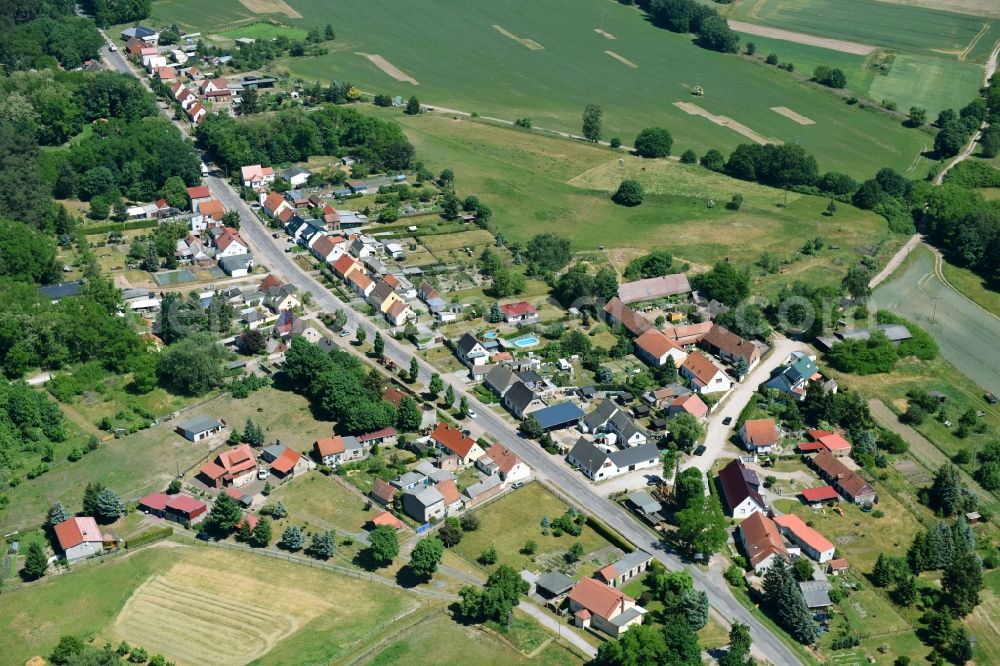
(489,335)
(523,343)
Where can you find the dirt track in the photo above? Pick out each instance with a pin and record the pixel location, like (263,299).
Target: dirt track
(802,38)
(389,68)
(724,121)
(791,115)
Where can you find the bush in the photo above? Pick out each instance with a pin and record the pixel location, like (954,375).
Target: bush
(689,157)
(653,142)
(149,536)
(772,59)
(629,193)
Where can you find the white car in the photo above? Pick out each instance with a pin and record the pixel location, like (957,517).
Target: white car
(112,47)
(263,473)
(472,414)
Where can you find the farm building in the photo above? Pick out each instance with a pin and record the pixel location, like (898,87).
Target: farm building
(559,416)
(625,569)
(200,428)
(812,543)
(654,288)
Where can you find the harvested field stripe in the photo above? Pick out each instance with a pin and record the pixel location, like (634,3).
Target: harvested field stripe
(622,59)
(529,43)
(271,7)
(603,33)
(724,121)
(389,68)
(801,38)
(791,115)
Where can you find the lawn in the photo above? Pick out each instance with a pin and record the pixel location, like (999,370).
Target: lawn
(973,286)
(509,522)
(265,31)
(898,26)
(195,15)
(317,501)
(501,78)
(534,182)
(927,81)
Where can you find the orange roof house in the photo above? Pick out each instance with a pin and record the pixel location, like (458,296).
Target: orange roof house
(386,518)
(236,466)
(813,544)
(691,404)
(454,441)
(761,541)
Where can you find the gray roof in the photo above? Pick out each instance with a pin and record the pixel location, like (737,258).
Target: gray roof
(519,396)
(235,262)
(272,452)
(588,456)
(61,290)
(600,416)
(428,496)
(290,173)
(644,501)
(482,486)
(560,415)
(439,475)
(425,467)
(631,561)
(554,583)
(624,425)
(816,593)
(629,615)
(635,455)
(466,343)
(351,443)
(896,332)
(199,424)
(407,479)
(500,379)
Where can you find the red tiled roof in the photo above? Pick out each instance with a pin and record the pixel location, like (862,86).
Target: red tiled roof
(212,470)
(382,490)
(185,504)
(692,404)
(804,533)
(397,309)
(393,396)
(655,343)
(212,208)
(272,201)
(701,367)
(504,458)
(518,309)
(761,538)
(655,287)
(810,447)
(839,564)
(360,280)
(235,493)
(329,446)
(286,461)
(269,282)
(155,501)
(378,434)
(453,439)
(386,518)
(199,192)
(225,240)
(689,332)
(596,597)
(344,264)
(248,519)
(835,442)
(77,530)
(448,490)
(608,573)
(820,494)
(760,432)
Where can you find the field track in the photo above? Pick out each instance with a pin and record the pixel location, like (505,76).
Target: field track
(791,115)
(603,33)
(529,43)
(841,45)
(724,121)
(622,59)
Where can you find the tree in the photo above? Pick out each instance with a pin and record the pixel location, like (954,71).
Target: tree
(674,644)
(548,252)
(917,116)
(529,548)
(469,522)
(802,569)
(629,193)
(685,431)
(463,407)
(713,160)
(292,539)
(57,514)
(694,605)
(225,513)
(174,190)
(412,106)
(414,369)
(109,506)
(409,416)
(856,282)
(605,283)
(426,556)
(592,123)
(701,528)
(724,283)
(90,494)
(962,582)
(689,487)
(653,142)
(785,603)
(436,385)
(253,434)
(496,601)
(249,102)
(449,396)
(361,336)
(506,282)
(35,561)
(192,366)
(261,534)
(383,545)
(451,532)
(488,557)
(322,545)
(739,646)
(378,345)
(905,592)
(741,367)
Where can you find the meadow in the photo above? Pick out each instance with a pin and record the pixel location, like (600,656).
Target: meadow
(535,182)
(461,61)
(264,31)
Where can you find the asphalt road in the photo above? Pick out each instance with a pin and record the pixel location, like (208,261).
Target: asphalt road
(271,253)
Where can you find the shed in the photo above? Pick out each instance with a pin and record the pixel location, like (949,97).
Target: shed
(554,584)
(199,428)
(556,417)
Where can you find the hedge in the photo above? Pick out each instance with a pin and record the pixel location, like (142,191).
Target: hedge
(149,536)
(609,534)
(120,226)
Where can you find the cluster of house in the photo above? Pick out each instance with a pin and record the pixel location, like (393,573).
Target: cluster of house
(597,602)
(209,240)
(618,444)
(179,508)
(429,492)
(239,466)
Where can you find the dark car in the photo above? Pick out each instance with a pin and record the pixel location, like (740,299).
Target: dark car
(204,536)
(700,450)
(727,420)
(990,398)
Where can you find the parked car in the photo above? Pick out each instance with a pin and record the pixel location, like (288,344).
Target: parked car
(263,473)
(517,484)
(727,420)
(112,47)
(990,398)
(700,450)
(275,235)
(344,332)
(473,414)
(204,536)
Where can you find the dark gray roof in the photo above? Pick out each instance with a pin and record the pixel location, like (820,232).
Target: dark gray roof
(816,593)
(500,378)
(624,425)
(199,424)
(601,415)
(519,396)
(644,501)
(235,262)
(631,561)
(635,455)
(561,415)
(484,485)
(554,583)
(587,455)
(466,343)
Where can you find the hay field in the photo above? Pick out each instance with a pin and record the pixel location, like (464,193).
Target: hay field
(224,607)
(502,78)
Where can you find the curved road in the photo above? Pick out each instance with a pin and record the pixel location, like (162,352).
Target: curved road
(269,253)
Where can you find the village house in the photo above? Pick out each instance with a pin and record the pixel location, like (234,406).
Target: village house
(655,348)
(761,541)
(296,176)
(423,503)
(235,467)
(360,284)
(482,490)
(794,377)
(399,313)
(229,244)
(594,604)
(728,346)
(688,404)
(79,538)
(624,569)
(597,419)
(705,376)
(453,440)
(199,428)
(382,492)
(470,351)
(386,519)
(812,543)
(759,435)
(238,265)
(740,490)
(502,461)
(624,431)
(198,195)
(332,451)
(598,464)
(617,313)
(520,400)
(256,177)
(848,483)
(281,298)
(141,33)
(521,312)
(833,442)
(273,204)
(500,379)
(285,463)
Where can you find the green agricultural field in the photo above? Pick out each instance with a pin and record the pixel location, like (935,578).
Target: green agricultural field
(927,81)
(265,31)
(502,77)
(898,26)
(533,182)
(806,58)
(199,16)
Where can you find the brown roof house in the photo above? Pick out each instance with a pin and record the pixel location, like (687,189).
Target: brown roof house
(705,376)
(597,605)
(654,288)
(728,346)
(761,541)
(235,467)
(454,441)
(759,435)
(501,460)
(79,538)
(654,347)
(848,483)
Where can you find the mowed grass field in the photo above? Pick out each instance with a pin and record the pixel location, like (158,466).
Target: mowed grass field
(899,26)
(265,31)
(928,81)
(535,183)
(502,77)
